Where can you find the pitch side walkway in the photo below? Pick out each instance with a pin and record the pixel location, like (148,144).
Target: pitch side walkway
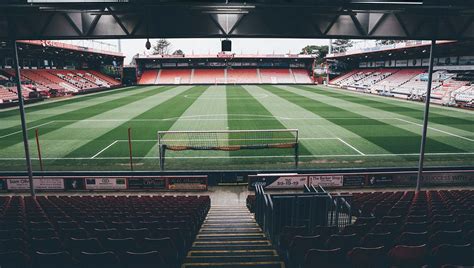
(230,237)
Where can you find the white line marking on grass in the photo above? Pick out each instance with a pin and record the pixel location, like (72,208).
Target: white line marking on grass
(101,151)
(436,129)
(352,147)
(16,132)
(233,139)
(237,157)
(224,117)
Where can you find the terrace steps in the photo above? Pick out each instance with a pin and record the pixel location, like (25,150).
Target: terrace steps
(230,237)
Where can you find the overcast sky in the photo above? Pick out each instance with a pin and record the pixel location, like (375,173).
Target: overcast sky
(131,47)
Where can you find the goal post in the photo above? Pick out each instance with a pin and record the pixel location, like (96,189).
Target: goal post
(227,140)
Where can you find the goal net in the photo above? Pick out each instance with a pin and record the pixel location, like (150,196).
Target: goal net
(227,140)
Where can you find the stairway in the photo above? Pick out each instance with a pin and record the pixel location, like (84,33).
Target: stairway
(230,237)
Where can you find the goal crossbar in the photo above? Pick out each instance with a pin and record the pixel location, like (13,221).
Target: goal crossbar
(227,140)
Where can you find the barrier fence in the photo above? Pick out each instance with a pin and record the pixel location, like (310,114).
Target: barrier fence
(84,183)
(309,208)
(361,179)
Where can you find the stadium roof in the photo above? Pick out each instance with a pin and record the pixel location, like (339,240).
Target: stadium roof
(407,50)
(377,19)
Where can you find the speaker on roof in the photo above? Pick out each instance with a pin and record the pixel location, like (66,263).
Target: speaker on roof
(226,45)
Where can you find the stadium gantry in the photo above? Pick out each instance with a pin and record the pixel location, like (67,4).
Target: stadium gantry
(267,163)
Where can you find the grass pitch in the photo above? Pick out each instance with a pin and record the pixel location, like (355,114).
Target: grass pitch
(338,129)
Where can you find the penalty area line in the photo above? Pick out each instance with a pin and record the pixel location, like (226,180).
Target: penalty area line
(350,146)
(19,131)
(436,129)
(101,151)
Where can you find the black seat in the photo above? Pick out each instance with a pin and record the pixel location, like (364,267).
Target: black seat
(52,244)
(59,259)
(77,245)
(165,247)
(360,257)
(333,258)
(452,254)
(149,259)
(104,259)
(14,259)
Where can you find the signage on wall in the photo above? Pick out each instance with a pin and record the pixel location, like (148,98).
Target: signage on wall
(106,183)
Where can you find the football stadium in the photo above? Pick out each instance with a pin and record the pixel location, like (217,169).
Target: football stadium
(300,134)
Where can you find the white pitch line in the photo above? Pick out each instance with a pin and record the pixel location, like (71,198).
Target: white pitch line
(101,151)
(330,138)
(237,157)
(16,132)
(203,118)
(436,129)
(352,147)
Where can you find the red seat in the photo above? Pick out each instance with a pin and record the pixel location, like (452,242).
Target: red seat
(408,256)
(300,245)
(329,258)
(360,257)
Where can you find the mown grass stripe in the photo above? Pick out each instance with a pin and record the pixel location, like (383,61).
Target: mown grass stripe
(141,130)
(241,101)
(43,111)
(81,114)
(398,120)
(415,112)
(389,137)
(320,136)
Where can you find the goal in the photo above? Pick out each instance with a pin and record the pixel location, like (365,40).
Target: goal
(227,140)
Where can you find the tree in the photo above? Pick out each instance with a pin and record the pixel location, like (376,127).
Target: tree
(388,42)
(162,47)
(341,45)
(178,52)
(319,51)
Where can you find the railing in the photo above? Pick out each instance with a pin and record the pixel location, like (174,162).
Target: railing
(275,211)
(340,210)
(340,213)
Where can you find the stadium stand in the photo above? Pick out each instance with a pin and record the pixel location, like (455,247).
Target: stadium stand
(226,76)
(465,95)
(98,231)
(63,81)
(391,229)
(6,95)
(243,76)
(276,76)
(398,78)
(225,68)
(301,76)
(208,76)
(109,80)
(148,77)
(174,76)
